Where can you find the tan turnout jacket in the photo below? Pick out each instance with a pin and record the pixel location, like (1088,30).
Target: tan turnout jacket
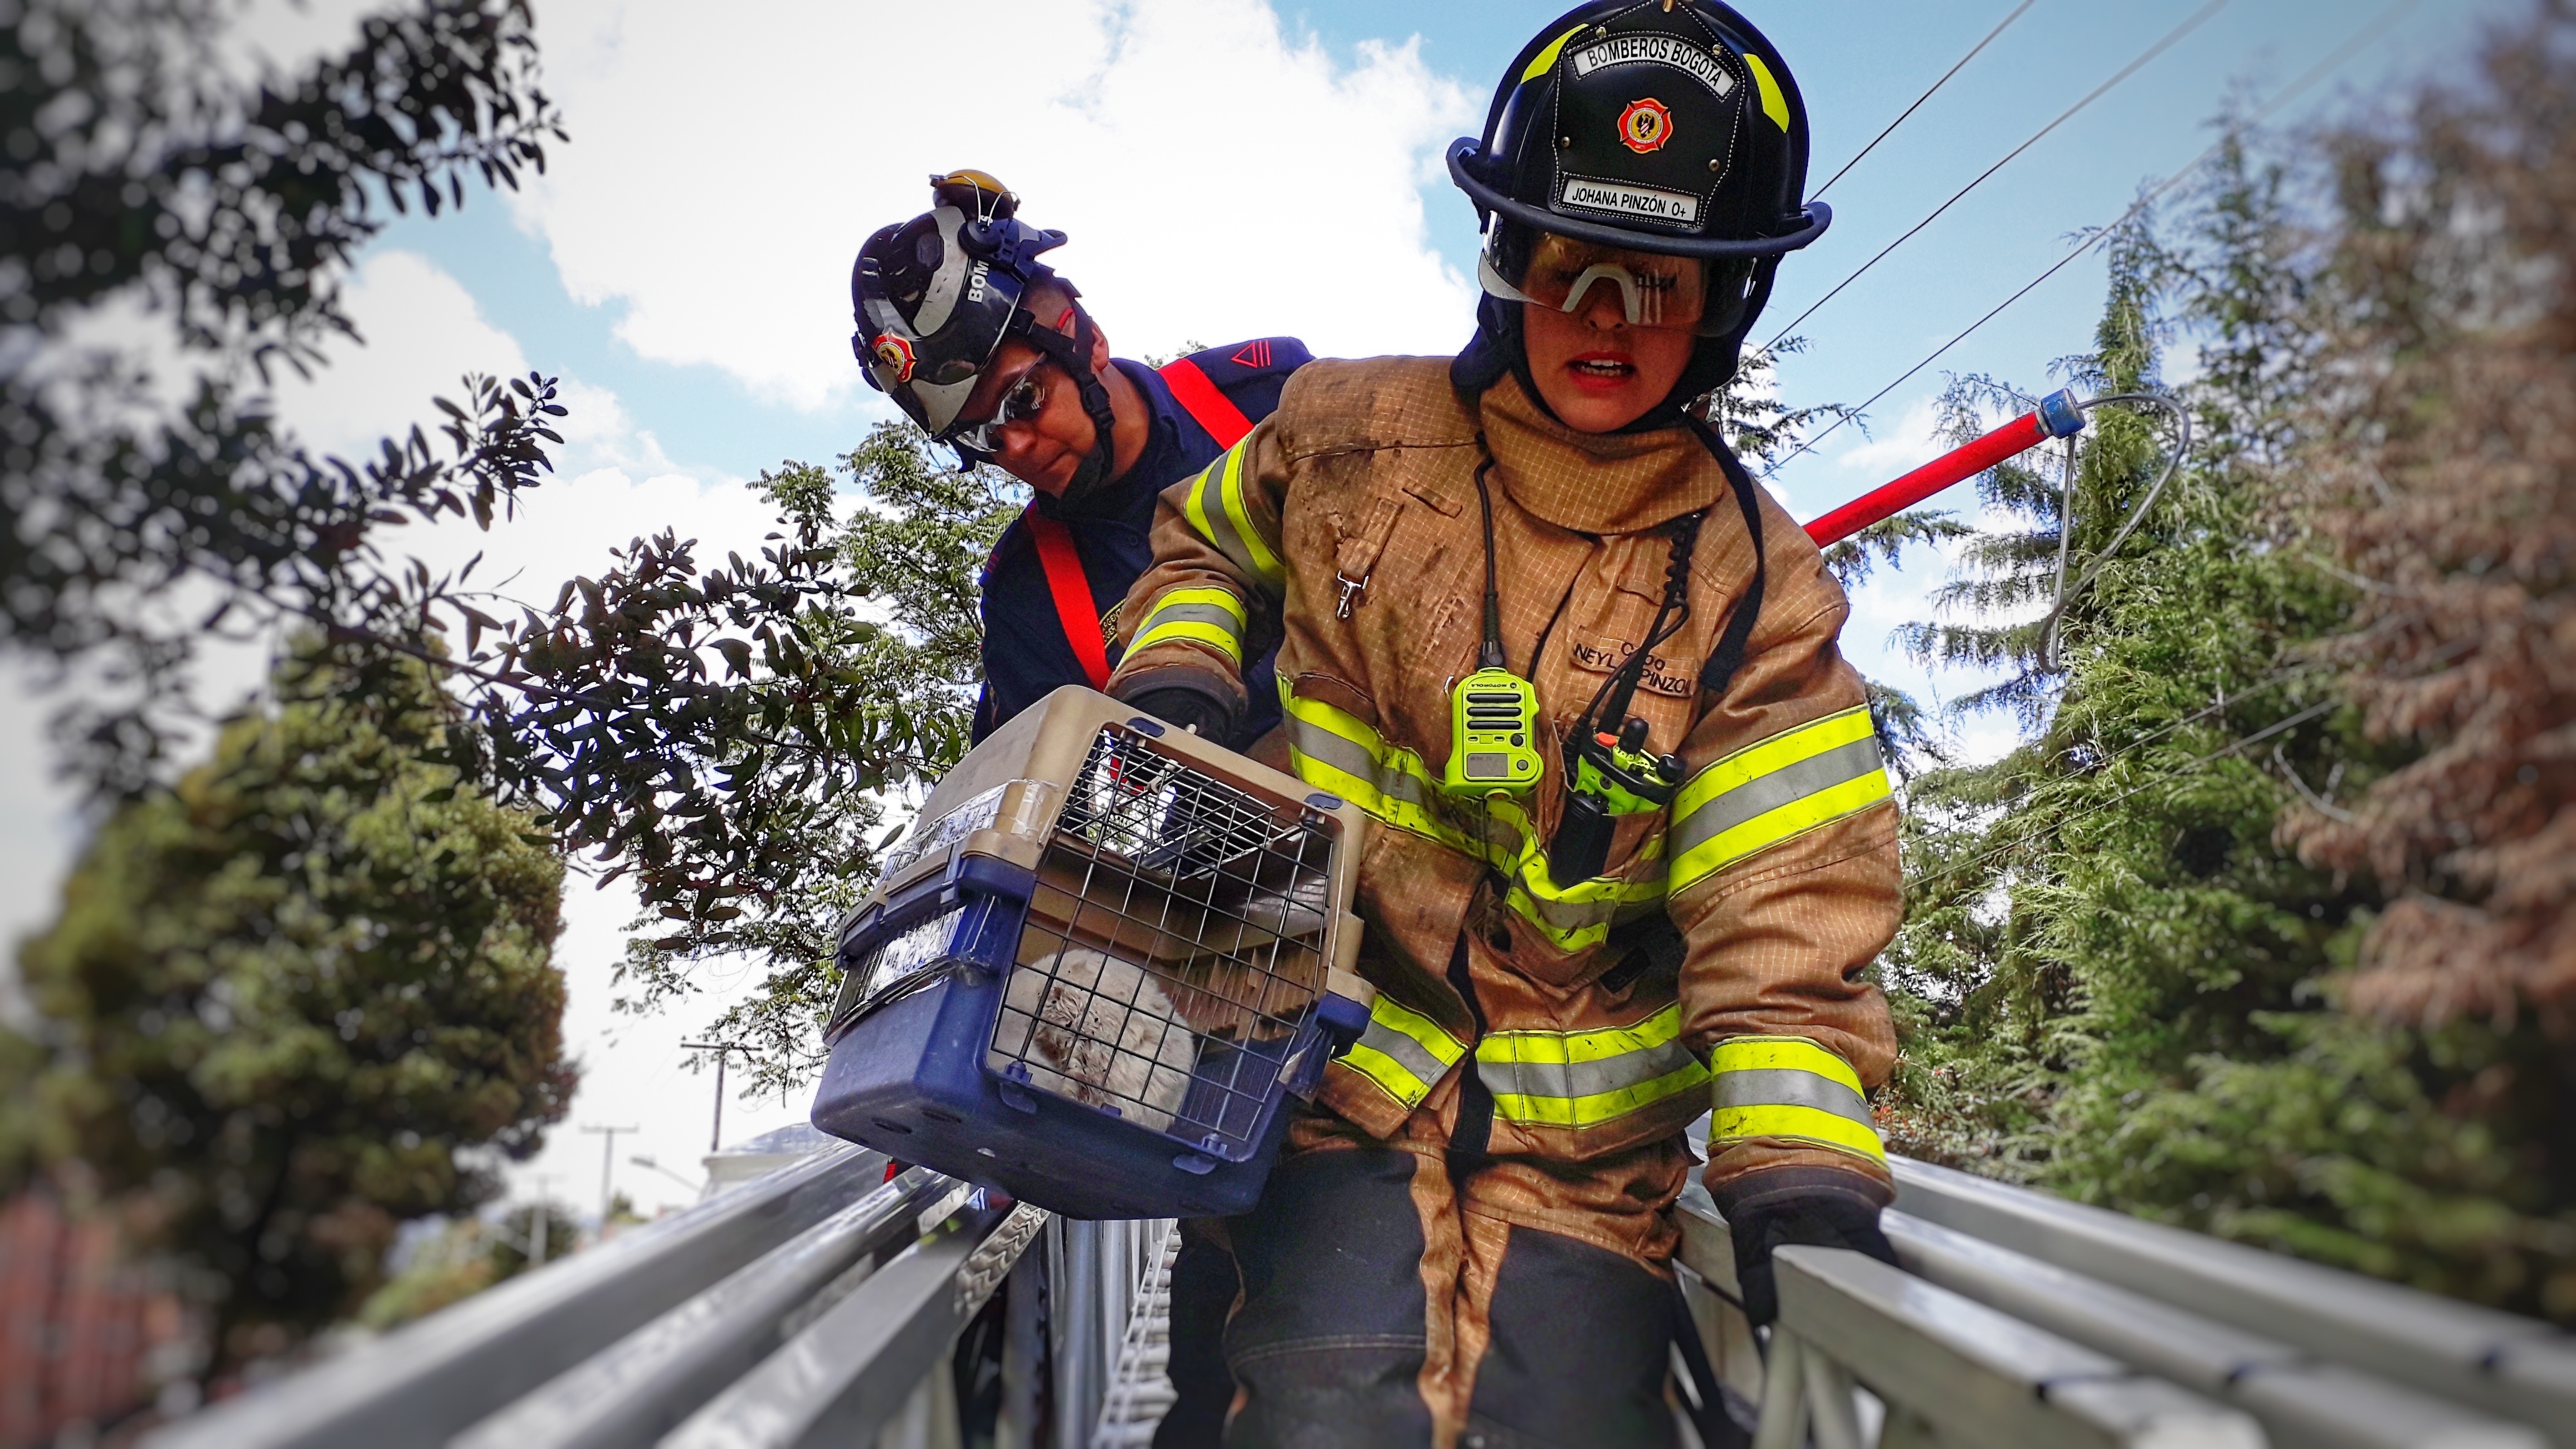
(1777,862)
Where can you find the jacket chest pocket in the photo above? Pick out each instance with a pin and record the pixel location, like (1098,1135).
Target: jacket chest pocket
(1398,561)
(1608,619)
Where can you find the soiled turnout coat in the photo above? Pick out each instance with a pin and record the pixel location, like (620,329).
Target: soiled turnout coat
(1538,1050)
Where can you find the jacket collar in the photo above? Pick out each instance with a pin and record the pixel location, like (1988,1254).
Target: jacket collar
(1600,483)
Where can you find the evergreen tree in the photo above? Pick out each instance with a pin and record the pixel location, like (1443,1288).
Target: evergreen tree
(2117,977)
(294,1001)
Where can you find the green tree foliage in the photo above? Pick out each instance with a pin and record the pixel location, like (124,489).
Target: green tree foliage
(2119,977)
(139,512)
(732,735)
(303,996)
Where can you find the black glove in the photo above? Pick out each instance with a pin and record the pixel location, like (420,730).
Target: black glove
(1173,700)
(1820,1218)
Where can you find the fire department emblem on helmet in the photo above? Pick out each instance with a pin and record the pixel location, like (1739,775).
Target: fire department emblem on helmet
(1645,126)
(894,354)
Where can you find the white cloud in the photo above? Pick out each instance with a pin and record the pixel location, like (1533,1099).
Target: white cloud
(1913,442)
(721,177)
(421,332)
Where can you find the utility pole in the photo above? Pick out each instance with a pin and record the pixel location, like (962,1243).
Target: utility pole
(723,1050)
(534,1244)
(607,1160)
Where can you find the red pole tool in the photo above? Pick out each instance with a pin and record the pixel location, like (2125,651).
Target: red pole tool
(2057,416)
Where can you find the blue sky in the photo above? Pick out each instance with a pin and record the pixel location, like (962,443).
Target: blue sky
(1227,169)
(1858,64)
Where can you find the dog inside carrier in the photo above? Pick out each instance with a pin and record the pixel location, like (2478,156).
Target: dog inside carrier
(1098,967)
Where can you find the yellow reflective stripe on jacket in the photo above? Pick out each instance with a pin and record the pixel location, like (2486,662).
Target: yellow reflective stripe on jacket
(1787,1086)
(1332,749)
(1404,1052)
(1576,917)
(1217,511)
(1586,1078)
(1210,616)
(1769,792)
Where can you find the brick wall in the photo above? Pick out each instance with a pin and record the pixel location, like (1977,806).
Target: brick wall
(75,1323)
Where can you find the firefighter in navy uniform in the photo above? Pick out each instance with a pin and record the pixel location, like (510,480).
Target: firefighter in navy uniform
(1636,847)
(993,353)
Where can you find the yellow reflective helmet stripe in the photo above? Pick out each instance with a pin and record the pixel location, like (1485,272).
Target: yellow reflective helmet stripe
(1585,1078)
(1773,791)
(1210,616)
(1538,66)
(1217,511)
(1788,1086)
(1774,104)
(1403,1052)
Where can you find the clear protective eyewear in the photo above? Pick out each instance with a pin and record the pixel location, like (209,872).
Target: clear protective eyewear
(1026,399)
(1654,291)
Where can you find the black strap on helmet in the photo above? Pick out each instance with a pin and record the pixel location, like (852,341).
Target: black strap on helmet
(1072,357)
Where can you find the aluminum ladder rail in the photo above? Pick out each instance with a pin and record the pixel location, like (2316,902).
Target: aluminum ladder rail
(820,1305)
(2023,1319)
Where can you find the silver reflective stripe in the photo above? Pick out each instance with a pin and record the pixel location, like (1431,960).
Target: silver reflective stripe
(1789,1087)
(1196,614)
(1317,743)
(1206,508)
(1765,793)
(1584,1079)
(1569,916)
(1405,1051)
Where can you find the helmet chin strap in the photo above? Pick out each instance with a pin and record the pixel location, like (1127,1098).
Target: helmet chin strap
(1072,356)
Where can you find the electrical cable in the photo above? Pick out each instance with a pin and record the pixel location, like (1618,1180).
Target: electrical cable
(2190,23)
(2377,26)
(1927,95)
(2066,525)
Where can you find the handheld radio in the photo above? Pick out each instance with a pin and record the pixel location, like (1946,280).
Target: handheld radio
(1607,773)
(1493,713)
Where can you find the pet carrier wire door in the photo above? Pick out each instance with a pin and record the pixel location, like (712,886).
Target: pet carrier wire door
(1097,967)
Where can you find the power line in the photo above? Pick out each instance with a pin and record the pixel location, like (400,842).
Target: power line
(2377,27)
(1927,95)
(2190,23)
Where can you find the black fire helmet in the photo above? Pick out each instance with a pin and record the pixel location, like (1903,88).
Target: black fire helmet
(1668,126)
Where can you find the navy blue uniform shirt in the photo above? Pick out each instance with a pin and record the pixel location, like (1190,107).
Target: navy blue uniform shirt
(1026,655)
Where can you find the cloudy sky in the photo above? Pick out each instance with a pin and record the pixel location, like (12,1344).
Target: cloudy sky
(1226,168)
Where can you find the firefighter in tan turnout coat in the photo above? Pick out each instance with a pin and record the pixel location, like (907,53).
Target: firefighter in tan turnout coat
(1579,951)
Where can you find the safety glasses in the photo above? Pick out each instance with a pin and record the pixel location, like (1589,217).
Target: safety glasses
(1026,399)
(1654,291)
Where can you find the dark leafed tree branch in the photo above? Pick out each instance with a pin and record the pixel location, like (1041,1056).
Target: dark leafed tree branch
(138,511)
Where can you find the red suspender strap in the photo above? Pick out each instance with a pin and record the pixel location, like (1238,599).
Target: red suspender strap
(1207,407)
(1071,589)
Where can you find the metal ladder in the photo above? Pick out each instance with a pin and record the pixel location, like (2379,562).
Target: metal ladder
(1141,1389)
(820,1305)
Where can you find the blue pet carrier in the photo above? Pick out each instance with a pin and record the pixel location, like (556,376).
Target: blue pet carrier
(1093,973)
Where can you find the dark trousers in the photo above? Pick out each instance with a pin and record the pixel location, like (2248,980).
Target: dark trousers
(1377,1306)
